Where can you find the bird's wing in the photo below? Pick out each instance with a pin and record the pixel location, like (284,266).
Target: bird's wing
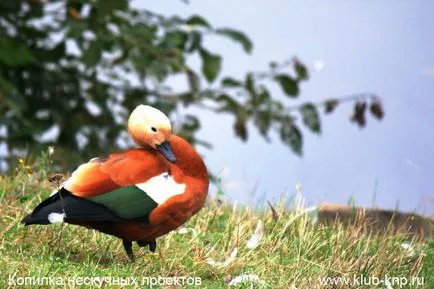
(108,189)
(116,182)
(103,175)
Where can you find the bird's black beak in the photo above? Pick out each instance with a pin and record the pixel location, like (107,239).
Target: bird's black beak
(166,150)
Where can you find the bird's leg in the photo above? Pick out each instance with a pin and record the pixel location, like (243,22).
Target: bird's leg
(128,246)
(152,244)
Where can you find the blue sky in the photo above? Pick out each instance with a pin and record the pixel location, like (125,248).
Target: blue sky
(385,47)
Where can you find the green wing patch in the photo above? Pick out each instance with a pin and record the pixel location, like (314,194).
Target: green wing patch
(127,202)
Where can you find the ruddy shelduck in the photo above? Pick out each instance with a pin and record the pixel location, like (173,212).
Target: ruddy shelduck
(136,195)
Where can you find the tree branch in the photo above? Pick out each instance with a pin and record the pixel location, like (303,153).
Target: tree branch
(348,98)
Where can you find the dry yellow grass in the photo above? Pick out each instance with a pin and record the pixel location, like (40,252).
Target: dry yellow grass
(294,252)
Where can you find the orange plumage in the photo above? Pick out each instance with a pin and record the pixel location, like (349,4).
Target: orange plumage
(136,195)
(138,166)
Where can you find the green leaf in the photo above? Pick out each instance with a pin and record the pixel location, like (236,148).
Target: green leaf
(211,64)
(273,65)
(311,117)
(93,54)
(191,124)
(249,83)
(291,135)
(198,21)
(12,97)
(13,53)
(377,109)
(230,104)
(237,36)
(301,71)
(264,95)
(288,85)
(76,29)
(231,82)
(359,113)
(175,39)
(240,125)
(109,6)
(263,122)
(59,50)
(194,41)
(330,105)
(193,80)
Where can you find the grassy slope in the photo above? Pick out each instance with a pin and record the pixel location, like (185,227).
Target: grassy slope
(294,253)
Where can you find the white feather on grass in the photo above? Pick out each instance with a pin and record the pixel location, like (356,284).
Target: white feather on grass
(184,230)
(226,262)
(407,246)
(257,235)
(246,279)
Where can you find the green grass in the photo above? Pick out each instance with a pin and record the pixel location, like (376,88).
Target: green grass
(294,252)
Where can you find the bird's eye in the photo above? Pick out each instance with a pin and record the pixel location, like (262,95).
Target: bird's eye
(153,129)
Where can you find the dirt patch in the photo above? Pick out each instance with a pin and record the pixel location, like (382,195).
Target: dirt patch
(378,220)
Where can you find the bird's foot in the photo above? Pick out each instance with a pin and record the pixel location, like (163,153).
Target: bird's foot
(128,246)
(152,244)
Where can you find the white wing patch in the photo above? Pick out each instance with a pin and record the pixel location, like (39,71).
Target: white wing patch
(162,187)
(56,217)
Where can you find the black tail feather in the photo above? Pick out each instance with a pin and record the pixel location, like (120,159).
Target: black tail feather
(76,209)
(31,220)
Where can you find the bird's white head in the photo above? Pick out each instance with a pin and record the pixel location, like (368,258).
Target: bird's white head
(149,127)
